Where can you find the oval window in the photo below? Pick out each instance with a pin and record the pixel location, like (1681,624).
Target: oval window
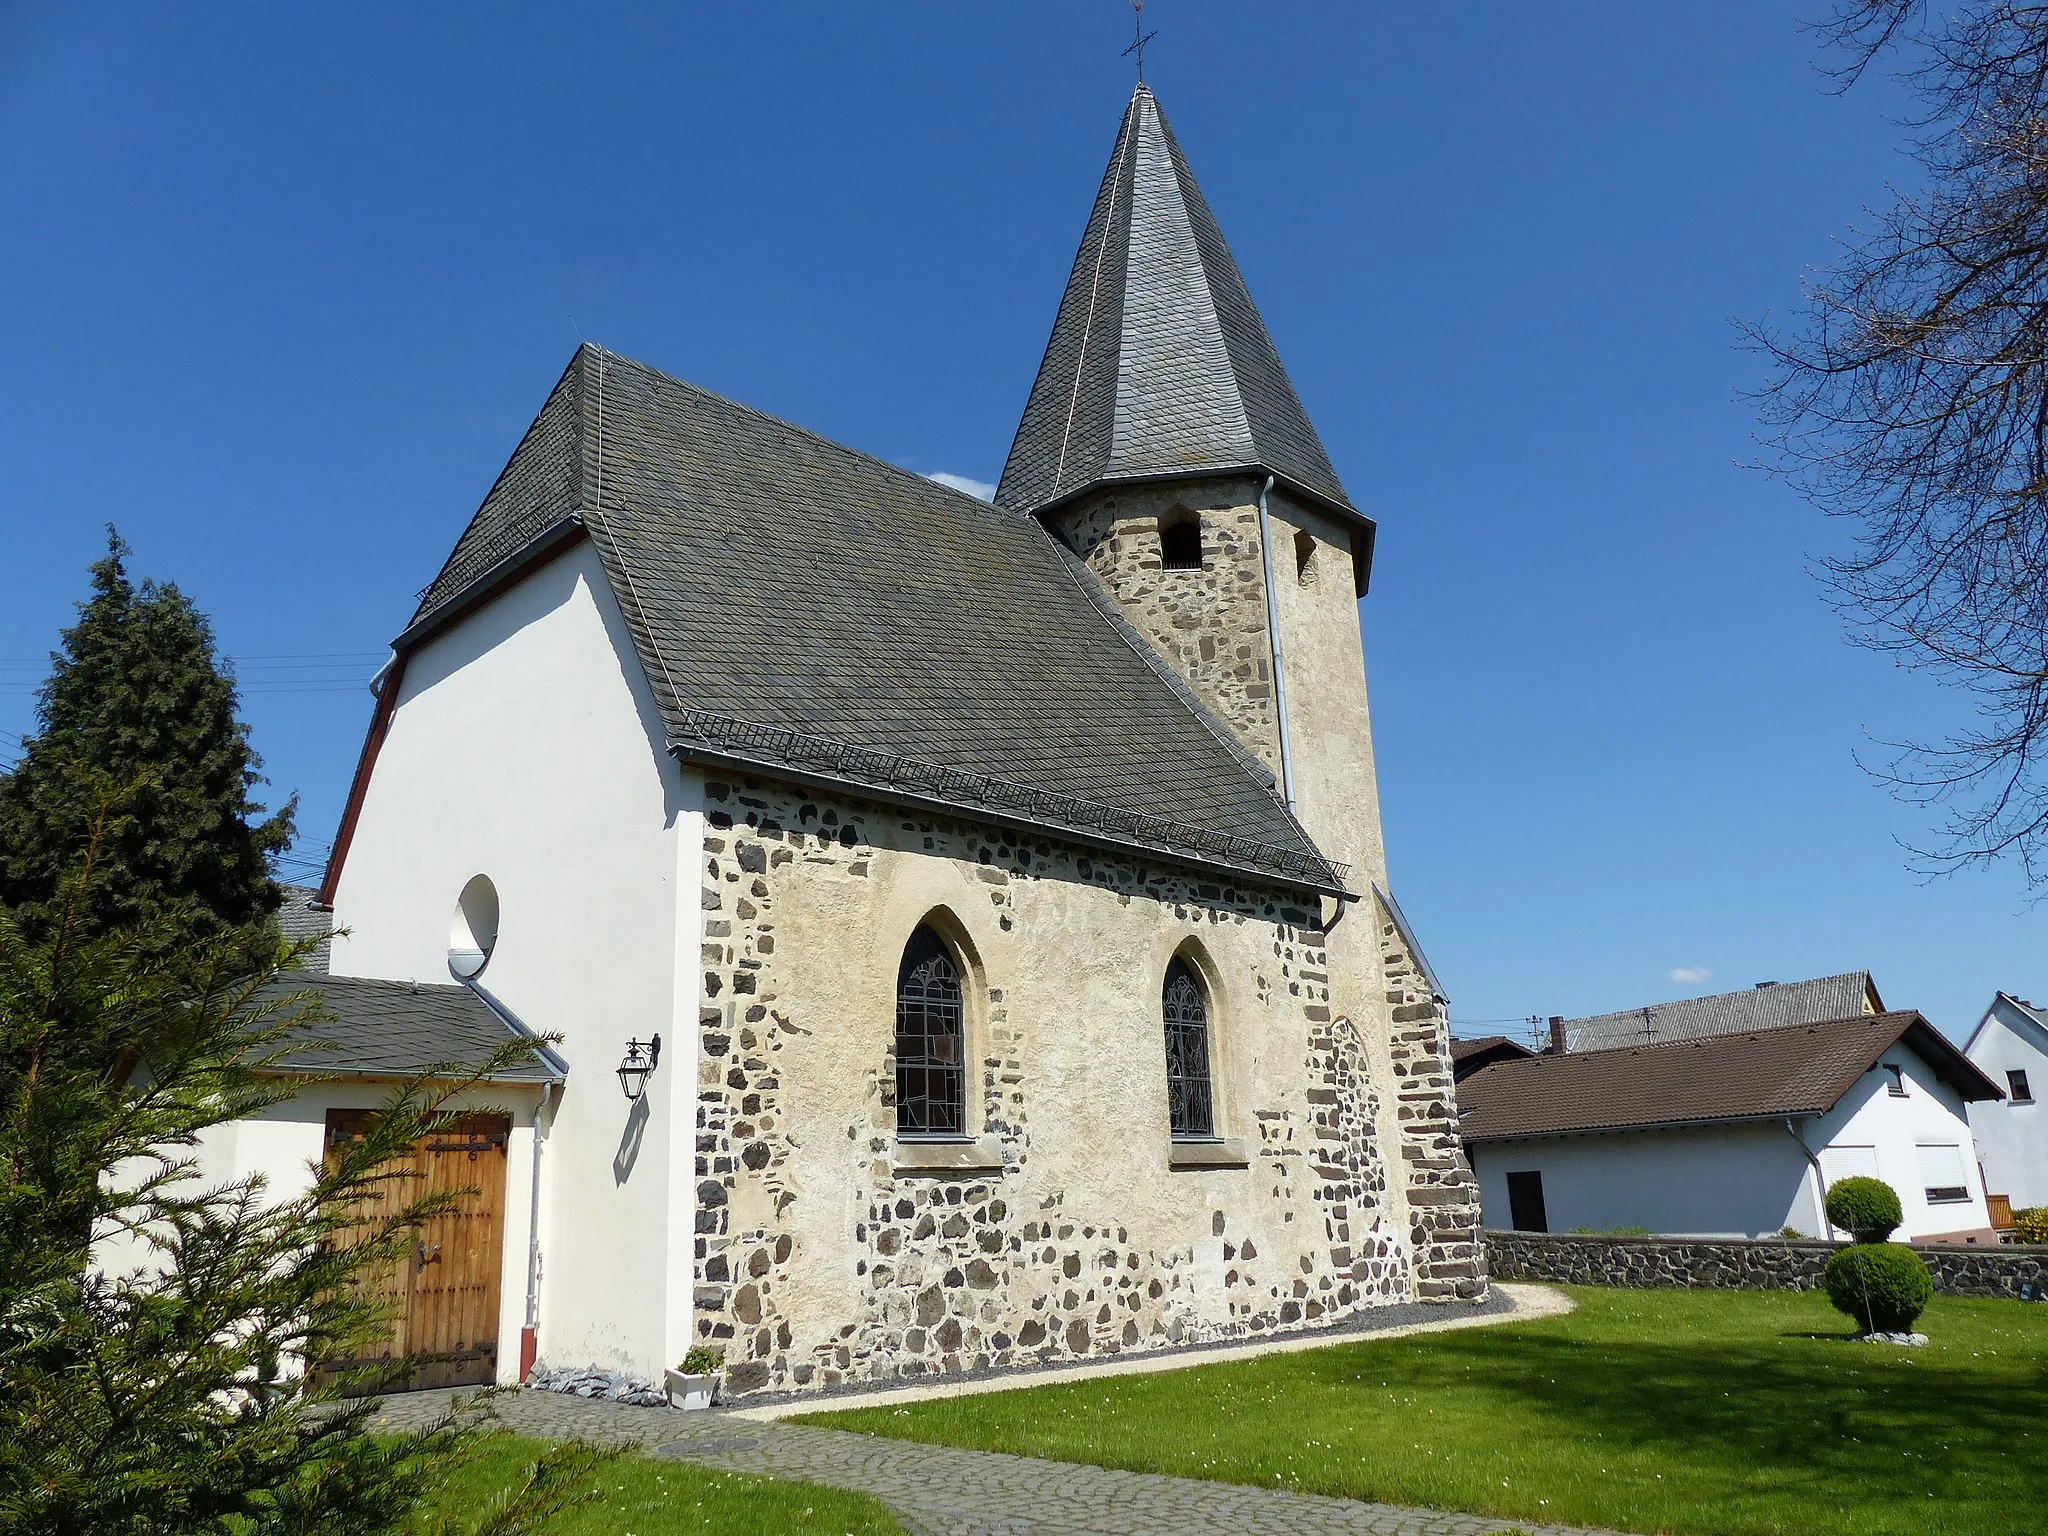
(474,932)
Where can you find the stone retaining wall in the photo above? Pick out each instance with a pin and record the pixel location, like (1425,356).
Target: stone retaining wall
(1737,1265)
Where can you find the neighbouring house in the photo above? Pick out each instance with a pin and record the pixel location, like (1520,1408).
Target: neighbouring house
(1731,1135)
(2010,1046)
(1767,1005)
(985,902)
(1469,1056)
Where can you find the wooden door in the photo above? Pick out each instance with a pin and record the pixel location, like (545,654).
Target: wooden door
(443,1291)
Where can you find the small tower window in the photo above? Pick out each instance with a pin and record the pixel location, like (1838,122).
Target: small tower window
(1305,558)
(1897,1086)
(931,1041)
(2022,1093)
(1190,1105)
(1180,541)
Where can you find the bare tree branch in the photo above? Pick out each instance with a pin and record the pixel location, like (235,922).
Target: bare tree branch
(1912,401)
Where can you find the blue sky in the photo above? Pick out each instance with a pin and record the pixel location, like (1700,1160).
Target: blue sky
(284,286)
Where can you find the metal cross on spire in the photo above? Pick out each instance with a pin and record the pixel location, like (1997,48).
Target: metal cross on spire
(1139,37)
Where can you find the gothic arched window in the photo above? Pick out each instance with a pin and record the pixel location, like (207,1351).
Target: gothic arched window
(931,1040)
(1190,1106)
(1180,541)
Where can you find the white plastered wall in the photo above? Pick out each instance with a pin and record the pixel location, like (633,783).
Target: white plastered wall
(1734,1181)
(2012,1136)
(1869,1115)
(525,746)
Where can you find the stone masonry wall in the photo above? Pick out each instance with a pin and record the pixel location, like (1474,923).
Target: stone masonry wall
(820,1258)
(1443,1196)
(1740,1264)
(1210,624)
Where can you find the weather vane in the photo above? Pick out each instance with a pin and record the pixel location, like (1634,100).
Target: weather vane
(1139,37)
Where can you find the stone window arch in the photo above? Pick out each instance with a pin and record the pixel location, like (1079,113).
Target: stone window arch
(1190,1079)
(931,1039)
(1180,540)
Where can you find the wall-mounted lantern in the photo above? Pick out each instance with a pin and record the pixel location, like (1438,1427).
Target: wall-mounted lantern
(639,1065)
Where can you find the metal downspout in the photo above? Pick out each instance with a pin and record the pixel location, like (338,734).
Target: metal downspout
(532,1324)
(1273,638)
(1820,1180)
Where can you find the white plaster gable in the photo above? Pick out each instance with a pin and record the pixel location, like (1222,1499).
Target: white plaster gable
(524,746)
(1893,1129)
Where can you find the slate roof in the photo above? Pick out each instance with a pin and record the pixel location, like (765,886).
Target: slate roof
(1770,1006)
(398,1028)
(1801,1069)
(301,916)
(804,609)
(1158,364)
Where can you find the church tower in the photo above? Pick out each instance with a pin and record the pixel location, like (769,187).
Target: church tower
(1164,444)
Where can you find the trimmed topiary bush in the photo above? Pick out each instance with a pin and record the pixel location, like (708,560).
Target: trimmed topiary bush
(1883,1286)
(1868,1208)
(2030,1225)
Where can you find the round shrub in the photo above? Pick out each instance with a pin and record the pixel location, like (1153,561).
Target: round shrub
(2030,1225)
(1882,1286)
(1867,1208)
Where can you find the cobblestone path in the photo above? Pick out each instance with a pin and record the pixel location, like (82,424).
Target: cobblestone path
(938,1491)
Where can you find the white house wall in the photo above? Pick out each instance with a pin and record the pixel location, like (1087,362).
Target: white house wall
(2012,1137)
(525,746)
(1734,1181)
(1870,1116)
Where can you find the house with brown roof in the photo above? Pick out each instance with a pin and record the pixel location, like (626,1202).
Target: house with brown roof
(1482,1051)
(1731,1135)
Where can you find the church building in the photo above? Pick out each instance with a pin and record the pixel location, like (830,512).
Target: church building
(965,926)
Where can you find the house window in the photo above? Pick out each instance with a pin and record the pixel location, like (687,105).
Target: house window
(2017,1082)
(1941,1173)
(931,1041)
(1897,1087)
(1190,1105)
(1525,1202)
(1180,541)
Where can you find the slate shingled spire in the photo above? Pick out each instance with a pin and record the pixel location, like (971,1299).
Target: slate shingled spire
(1158,364)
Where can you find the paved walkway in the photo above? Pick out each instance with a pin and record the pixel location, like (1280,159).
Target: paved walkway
(940,1491)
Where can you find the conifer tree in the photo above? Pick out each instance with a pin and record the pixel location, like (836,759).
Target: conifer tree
(139,698)
(174,1397)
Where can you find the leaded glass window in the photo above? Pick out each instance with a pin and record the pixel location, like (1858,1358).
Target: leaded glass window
(1190,1106)
(931,1040)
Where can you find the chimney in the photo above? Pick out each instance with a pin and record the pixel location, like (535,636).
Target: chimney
(1557,1034)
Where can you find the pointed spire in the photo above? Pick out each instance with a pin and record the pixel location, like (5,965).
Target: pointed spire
(1158,364)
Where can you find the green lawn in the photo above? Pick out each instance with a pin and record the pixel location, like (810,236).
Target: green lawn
(1714,1413)
(638,1496)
